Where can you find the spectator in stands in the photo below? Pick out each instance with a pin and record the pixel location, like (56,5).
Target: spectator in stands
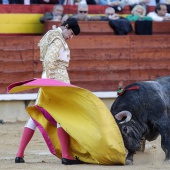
(138,13)
(82,13)
(109,14)
(55,15)
(160,13)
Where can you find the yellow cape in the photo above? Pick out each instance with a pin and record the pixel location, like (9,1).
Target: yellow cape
(94,134)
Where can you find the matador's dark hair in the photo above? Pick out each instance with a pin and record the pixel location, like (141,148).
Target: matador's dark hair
(72,24)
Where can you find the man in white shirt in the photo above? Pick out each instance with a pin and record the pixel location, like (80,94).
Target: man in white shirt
(160,13)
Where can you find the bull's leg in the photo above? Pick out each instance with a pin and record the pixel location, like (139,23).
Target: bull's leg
(165,144)
(129,158)
(165,138)
(142,145)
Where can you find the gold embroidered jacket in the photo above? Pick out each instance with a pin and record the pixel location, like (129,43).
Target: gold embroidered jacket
(55,55)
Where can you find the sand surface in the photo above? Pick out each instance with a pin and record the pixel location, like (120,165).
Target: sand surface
(38,157)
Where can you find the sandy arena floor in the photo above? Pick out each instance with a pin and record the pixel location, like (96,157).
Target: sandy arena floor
(38,157)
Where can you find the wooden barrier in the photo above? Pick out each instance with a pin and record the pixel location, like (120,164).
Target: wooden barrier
(98,63)
(102,27)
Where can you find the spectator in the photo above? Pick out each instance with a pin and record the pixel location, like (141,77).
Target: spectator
(82,13)
(56,15)
(160,13)
(109,14)
(138,13)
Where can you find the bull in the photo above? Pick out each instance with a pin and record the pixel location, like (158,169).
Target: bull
(142,112)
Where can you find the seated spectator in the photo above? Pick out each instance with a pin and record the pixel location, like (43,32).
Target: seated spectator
(160,13)
(56,15)
(82,13)
(109,14)
(138,13)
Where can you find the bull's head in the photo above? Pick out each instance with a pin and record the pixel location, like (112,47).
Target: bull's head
(129,129)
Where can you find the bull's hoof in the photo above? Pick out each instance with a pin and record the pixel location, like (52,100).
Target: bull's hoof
(167,161)
(129,162)
(1,121)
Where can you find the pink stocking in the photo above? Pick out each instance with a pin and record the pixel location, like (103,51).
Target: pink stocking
(64,139)
(26,137)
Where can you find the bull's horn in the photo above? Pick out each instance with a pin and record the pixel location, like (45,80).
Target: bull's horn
(122,115)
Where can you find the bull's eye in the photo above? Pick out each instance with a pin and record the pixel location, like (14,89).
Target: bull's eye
(124,129)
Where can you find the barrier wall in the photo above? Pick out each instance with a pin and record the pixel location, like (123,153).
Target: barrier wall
(98,63)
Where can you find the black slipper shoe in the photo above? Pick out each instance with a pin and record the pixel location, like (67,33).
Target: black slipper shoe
(19,160)
(70,162)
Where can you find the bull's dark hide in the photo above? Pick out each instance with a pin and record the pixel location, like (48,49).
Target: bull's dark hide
(143,113)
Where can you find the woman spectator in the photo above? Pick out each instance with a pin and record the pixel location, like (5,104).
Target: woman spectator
(138,13)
